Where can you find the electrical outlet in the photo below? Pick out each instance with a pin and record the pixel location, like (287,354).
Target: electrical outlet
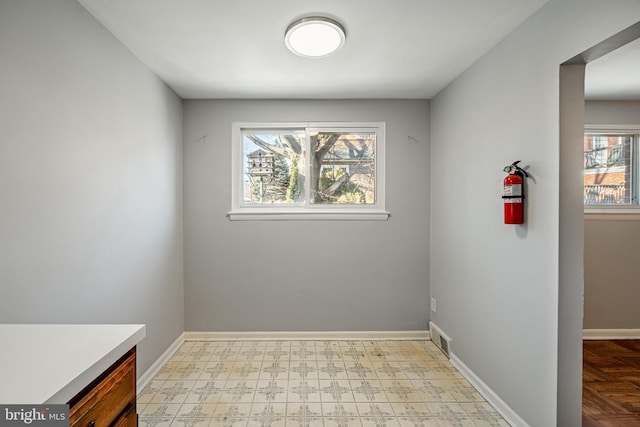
(434,304)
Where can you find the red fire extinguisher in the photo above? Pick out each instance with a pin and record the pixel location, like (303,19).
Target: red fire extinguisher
(513,195)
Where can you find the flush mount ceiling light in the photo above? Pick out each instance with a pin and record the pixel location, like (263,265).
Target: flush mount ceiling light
(315,37)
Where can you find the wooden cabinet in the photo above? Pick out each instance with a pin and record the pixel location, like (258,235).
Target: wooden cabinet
(110,400)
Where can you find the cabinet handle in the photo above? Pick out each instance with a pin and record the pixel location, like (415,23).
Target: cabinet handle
(91,424)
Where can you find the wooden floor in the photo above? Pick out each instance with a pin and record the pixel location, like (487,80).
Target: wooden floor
(611,383)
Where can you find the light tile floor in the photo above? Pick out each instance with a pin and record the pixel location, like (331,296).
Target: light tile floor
(312,383)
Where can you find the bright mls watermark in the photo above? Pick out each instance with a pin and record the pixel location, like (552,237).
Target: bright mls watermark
(34,415)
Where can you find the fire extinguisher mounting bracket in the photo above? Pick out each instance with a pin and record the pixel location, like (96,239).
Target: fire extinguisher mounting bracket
(513,168)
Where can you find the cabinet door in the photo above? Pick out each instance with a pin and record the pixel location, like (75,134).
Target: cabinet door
(100,404)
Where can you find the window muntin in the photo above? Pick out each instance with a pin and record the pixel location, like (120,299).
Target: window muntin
(308,167)
(610,168)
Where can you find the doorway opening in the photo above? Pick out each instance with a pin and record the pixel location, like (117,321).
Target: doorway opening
(572,232)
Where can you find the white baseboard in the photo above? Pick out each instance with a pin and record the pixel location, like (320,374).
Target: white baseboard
(308,336)
(158,364)
(494,400)
(611,334)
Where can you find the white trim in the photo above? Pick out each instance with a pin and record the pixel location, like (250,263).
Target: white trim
(612,214)
(308,215)
(308,336)
(159,364)
(611,334)
(611,127)
(492,398)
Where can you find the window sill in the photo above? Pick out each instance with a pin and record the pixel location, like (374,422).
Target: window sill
(319,215)
(612,214)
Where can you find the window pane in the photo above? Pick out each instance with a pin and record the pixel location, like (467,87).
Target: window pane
(343,167)
(607,169)
(273,167)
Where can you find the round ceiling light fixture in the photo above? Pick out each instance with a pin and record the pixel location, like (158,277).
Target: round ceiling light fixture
(315,37)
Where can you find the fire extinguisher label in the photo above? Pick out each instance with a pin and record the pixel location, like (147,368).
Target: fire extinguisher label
(513,190)
(514,200)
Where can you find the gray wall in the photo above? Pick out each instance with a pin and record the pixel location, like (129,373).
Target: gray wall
(498,286)
(611,291)
(626,113)
(611,250)
(90,178)
(305,275)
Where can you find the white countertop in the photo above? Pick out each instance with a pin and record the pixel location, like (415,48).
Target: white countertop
(52,363)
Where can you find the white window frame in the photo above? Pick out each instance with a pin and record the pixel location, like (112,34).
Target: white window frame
(245,212)
(616,212)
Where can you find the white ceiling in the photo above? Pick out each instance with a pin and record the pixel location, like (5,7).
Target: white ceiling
(615,76)
(394,49)
(235,48)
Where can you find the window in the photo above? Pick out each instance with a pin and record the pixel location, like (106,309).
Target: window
(611,168)
(308,171)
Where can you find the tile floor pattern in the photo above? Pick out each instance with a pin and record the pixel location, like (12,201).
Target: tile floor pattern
(311,383)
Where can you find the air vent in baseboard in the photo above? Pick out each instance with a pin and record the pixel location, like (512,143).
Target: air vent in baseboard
(442,341)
